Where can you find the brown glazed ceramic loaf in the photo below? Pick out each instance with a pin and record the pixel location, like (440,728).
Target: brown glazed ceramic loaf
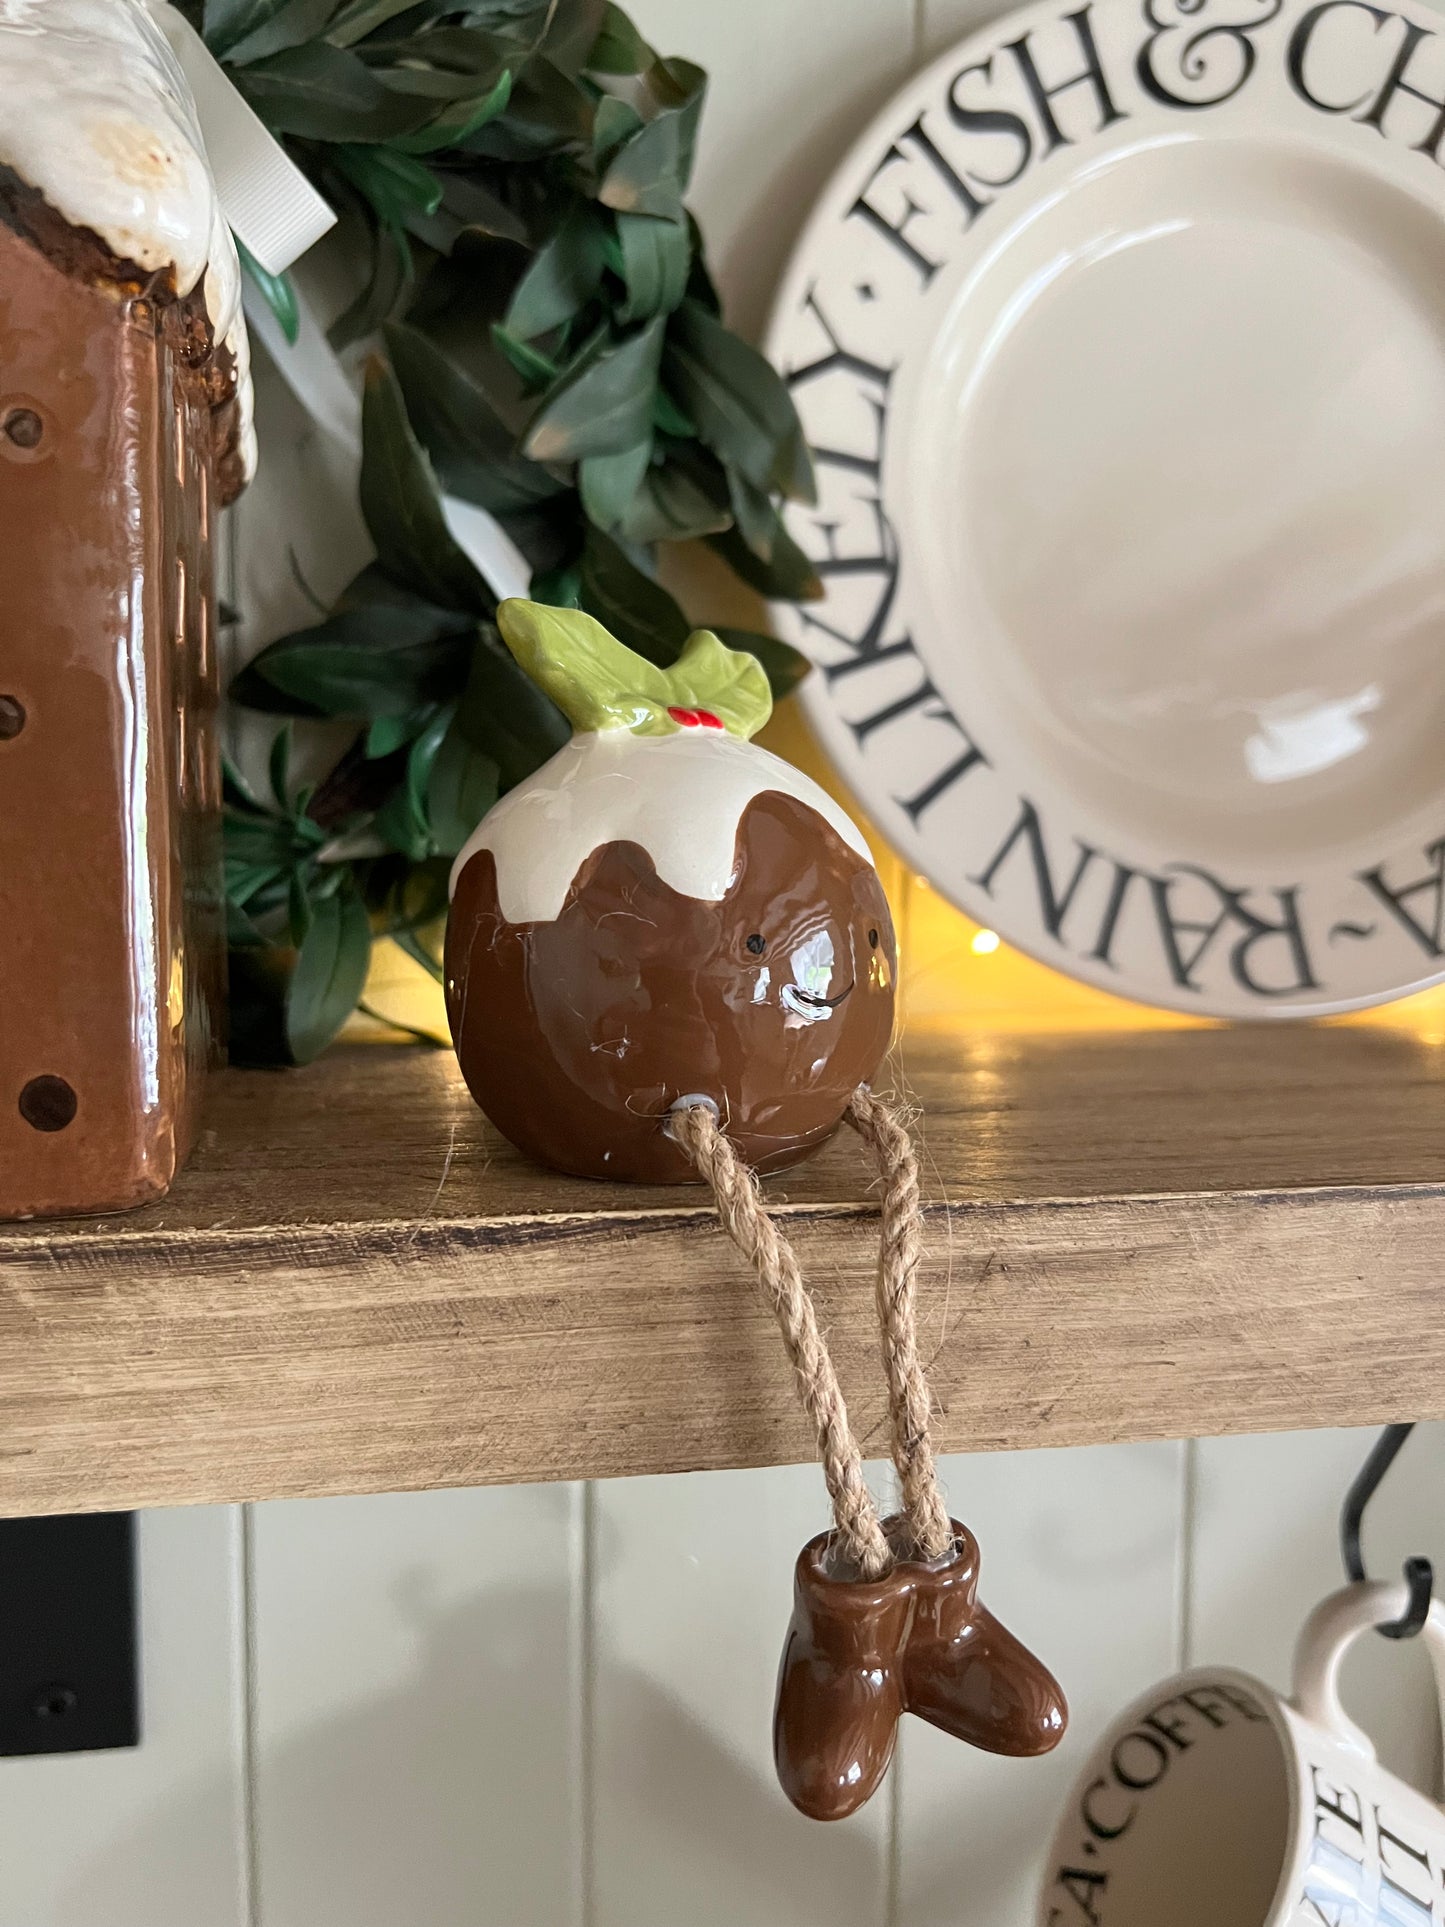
(122,427)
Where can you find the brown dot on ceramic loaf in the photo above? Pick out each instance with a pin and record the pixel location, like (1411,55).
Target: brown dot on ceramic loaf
(48,1103)
(24,427)
(12,717)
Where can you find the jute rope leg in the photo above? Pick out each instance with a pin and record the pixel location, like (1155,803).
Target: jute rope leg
(745,1218)
(900,1246)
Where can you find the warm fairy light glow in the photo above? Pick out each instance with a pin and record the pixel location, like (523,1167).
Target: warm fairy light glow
(953,975)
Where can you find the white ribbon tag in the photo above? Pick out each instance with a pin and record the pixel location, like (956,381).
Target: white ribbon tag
(265,197)
(314,374)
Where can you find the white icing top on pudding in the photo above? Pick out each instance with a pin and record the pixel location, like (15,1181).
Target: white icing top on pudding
(680,797)
(96,114)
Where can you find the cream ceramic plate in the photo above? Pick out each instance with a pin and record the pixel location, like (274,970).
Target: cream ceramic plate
(1120,343)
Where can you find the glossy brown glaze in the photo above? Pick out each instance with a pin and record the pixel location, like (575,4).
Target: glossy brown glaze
(861,1651)
(110,907)
(577,1035)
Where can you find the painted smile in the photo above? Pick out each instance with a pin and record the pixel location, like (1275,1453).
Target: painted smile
(792,993)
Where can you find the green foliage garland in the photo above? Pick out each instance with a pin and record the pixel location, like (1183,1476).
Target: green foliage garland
(549,347)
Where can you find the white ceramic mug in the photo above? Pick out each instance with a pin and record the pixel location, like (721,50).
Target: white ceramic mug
(1214,1803)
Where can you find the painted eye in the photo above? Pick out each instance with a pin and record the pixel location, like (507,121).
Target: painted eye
(757,944)
(872,939)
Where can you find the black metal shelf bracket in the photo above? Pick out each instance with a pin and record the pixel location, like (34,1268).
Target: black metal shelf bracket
(69,1648)
(1419,1573)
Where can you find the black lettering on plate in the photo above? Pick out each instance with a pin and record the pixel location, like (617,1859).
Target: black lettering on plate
(1430,935)
(1196,65)
(1299,46)
(1053,902)
(1396,83)
(1091,74)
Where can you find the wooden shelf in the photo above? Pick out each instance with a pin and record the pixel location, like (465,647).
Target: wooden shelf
(357,1286)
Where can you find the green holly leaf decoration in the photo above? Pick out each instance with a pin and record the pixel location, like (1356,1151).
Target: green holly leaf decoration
(712,680)
(599,683)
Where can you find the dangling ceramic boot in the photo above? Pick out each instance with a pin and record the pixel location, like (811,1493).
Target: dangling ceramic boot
(839,1691)
(965,1672)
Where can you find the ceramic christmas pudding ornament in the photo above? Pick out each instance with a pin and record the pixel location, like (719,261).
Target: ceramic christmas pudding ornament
(665,907)
(669,957)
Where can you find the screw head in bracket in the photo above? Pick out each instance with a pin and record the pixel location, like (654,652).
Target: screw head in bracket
(54,1701)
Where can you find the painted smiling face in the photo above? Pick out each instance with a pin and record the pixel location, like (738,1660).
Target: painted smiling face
(663,909)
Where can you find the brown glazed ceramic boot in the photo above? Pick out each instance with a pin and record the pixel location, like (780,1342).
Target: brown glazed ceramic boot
(965,1672)
(839,1694)
(861,1651)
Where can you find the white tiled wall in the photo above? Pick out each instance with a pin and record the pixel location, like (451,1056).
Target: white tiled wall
(549,1706)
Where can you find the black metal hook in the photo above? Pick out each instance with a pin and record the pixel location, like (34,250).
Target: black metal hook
(1419,1573)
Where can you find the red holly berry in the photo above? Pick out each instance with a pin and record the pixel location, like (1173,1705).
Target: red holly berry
(708,720)
(689,718)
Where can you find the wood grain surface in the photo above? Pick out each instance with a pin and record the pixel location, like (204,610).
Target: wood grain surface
(359,1287)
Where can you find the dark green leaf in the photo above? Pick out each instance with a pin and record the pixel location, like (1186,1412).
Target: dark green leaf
(609,482)
(548,114)
(616,121)
(387,734)
(506,715)
(563,276)
(402,504)
(650,172)
(387,292)
(279,767)
(789,575)
(700,284)
(241,931)
(329,975)
(298,905)
(669,419)
(227,21)
(402,819)
(276,290)
(740,403)
(656,256)
(637,610)
(259,843)
(395,184)
(562,586)
(374,660)
(786,667)
(529,364)
(474,204)
(291,25)
(754,515)
(461,789)
(360,17)
(671,506)
(458,122)
(602,407)
(474,452)
(619,48)
(325,93)
(412,944)
(572,30)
